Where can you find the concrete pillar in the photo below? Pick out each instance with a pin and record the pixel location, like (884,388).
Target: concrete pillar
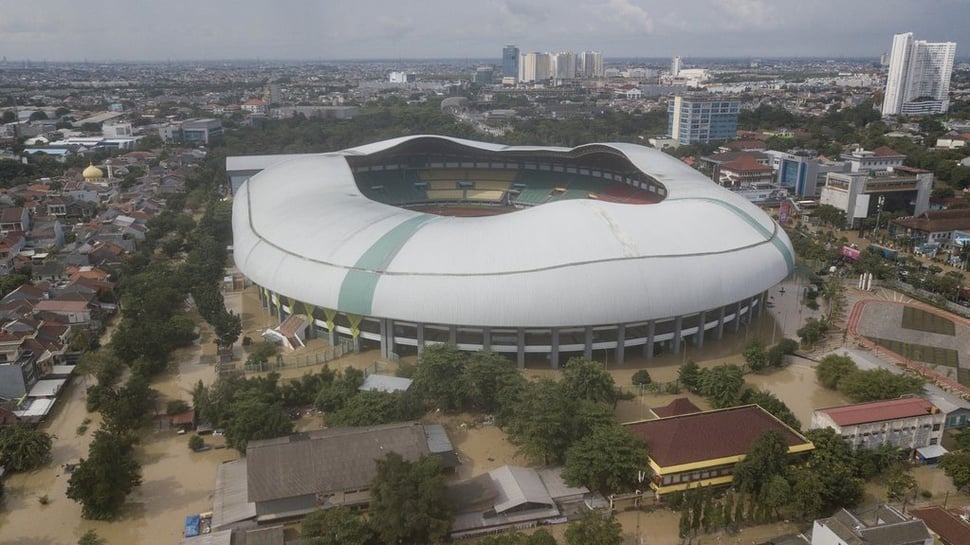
(702,321)
(756,310)
(620,342)
(383,331)
(554,354)
(332,335)
(453,334)
(588,351)
(420,339)
(648,347)
(736,323)
(486,339)
(279,308)
(678,325)
(520,349)
(719,330)
(390,338)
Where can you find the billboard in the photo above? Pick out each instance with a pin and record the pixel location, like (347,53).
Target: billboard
(850,252)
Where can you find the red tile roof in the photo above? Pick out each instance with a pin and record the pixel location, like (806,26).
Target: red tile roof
(745,163)
(951,528)
(709,435)
(885,151)
(677,407)
(51,305)
(879,411)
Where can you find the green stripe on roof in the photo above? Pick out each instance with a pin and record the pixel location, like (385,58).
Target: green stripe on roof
(768,234)
(360,283)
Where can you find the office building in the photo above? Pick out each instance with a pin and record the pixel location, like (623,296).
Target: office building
(699,120)
(510,61)
(535,67)
(919,76)
(194,132)
(563,66)
(483,75)
(907,423)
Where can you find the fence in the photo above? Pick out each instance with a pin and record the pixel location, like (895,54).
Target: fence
(929,297)
(293,361)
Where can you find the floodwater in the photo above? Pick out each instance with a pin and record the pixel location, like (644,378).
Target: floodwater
(176,481)
(795,384)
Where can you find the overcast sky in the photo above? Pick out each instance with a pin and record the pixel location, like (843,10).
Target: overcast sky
(402,29)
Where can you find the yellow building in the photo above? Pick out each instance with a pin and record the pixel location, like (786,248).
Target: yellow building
(702,448)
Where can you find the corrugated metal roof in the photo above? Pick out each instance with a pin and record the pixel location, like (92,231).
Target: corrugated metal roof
(326,461)
(566,263)
(879,411)
(517,486)
(230,503)
(386,383)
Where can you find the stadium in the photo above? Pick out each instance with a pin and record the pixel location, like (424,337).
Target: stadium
(540,253)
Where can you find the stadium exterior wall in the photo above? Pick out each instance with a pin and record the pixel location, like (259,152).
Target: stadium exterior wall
(568,277)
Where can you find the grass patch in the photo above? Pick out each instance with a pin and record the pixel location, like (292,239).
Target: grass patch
(921,320)
(933,355)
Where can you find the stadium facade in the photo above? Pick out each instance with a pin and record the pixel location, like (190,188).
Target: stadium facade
(526,251)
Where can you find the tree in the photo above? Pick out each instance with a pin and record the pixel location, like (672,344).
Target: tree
(722,385)
(689,375)
(833,463)
(543,421)
(766,458)
(812,331)
(641,378)
(439,371)
(486,379)
(254,418)
(878,384)
(606,460)
(956,465)
(595,528)
(830,215)
(228,327)
(373,408)
(261,354)
(102,481)
(832,369)
(806,493)
(770,402)
(409,504)
(587,379)
(777,353)
(8,117)
(91,538)
(755,355)
(23,448)
(196,442)
(336,526)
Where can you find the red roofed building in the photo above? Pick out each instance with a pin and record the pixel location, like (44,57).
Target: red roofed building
(951,529)
(745,170)
(909,422)
(677,407)
(702,448)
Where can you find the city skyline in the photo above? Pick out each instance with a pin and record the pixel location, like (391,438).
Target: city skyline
(380,29)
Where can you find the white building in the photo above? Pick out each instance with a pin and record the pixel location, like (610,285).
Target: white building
(890,527)
(535,67)
(909,423)
(590,65)
(919,76)
(675,66)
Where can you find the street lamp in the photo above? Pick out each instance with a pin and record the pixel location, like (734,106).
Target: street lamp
(684,340)
(640,476)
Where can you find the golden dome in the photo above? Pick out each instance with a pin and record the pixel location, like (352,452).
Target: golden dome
(92,173)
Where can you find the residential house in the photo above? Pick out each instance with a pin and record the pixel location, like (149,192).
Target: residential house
(702,448)
(17,377)
(14,218)
(70,312)
(909,423)
(948,527)
(890,527)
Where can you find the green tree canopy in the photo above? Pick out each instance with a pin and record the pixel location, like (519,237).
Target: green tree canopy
(595,528)
(722,385)
(755,355)
(409,504)
(832,369)
(438,375)
(589,380)
(878,384)
(336,526)
(253,418)
(833,463)
(102,481)
(606,460)
(770,402)
(487,379)
(23,447)
(766,458)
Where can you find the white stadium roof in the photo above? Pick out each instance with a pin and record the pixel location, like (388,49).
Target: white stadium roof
(303,229)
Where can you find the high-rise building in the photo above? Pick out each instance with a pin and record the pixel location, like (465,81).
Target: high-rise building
(510,61)
(699,120)
(675,66)
(919,76)
(590,65)
(564,65)
(535,67)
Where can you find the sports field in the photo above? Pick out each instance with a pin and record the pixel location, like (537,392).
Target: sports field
(933,355)
(921,320)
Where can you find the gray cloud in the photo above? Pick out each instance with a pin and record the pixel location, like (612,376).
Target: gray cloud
(336,29)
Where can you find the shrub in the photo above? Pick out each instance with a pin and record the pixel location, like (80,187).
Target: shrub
(641,377)
(196,442)
(176,406)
